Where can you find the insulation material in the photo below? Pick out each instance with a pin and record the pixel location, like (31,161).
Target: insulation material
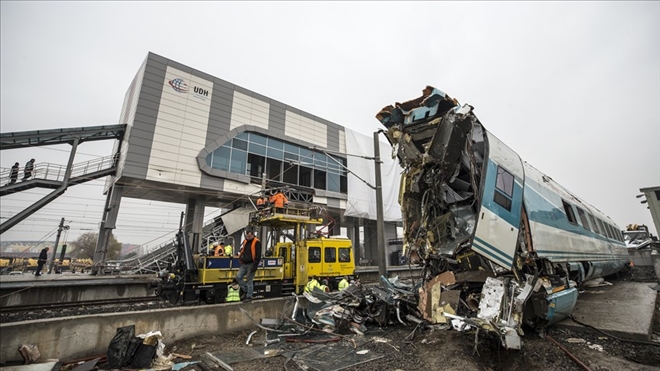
(361,198)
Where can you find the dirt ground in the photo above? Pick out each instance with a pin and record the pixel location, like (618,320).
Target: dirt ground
(452,350)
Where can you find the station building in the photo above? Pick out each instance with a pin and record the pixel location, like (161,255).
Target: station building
(196,139)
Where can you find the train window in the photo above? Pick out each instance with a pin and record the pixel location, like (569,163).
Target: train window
(593,223)
(283,254)
(600,226)
(583,219)
(330,255)
(504,181)
(570,214)
(608,231)
(502,200)
(344,255)
(314,255)
(504,188)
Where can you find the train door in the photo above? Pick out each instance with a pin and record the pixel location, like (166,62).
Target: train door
(329,266)
(285,251)
(345,260)
(501,204)
(314,258)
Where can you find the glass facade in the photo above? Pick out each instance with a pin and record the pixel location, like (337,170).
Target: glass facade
(253,154)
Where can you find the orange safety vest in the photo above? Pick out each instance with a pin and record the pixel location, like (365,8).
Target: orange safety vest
(279,200)
(260,201)
(253,249)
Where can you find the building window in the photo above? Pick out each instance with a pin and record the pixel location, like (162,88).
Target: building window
(290,173)
(238,163)
(330,255)
(253,154)
(256,165)
(274,169)
(319,179)
(305,178)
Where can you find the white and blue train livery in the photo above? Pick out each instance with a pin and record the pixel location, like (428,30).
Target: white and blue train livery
(515,239)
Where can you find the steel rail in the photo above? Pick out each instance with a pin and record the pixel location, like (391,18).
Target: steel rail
(51,306)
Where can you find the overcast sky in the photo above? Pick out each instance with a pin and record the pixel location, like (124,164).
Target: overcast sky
(573,88)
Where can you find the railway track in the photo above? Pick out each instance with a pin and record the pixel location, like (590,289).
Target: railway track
(75,304)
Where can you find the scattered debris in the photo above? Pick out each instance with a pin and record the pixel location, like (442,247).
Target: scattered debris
(181,365)
(29,352)
(596,347)
(87,366)
(576,340)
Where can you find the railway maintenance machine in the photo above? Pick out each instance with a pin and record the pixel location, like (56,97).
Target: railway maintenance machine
(292,248)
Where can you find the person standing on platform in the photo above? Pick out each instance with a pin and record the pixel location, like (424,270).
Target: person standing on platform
(249,258)
(43,258)
(13,174)
(279,201)
(229,250)
(27,172)
(219,249)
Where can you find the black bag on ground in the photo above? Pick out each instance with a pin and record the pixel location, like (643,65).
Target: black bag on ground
(143,356)
(117,353)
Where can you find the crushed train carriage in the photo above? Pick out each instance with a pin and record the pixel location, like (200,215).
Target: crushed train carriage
(470,206)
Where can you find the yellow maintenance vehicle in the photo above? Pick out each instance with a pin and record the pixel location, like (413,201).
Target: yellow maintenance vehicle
(284,268)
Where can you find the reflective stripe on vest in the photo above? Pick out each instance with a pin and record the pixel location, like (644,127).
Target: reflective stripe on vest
(311,284)
(343,284)
(232,295)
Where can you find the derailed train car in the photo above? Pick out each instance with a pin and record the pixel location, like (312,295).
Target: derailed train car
(471,205)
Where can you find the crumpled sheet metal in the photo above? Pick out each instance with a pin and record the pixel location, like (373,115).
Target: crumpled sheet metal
(350,309)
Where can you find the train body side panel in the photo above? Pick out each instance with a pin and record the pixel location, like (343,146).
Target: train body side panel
(498,222)
(561,241)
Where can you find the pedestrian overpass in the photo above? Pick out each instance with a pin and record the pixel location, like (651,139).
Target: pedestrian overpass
(57,177)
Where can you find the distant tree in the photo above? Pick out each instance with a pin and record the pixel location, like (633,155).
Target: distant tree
(85,246)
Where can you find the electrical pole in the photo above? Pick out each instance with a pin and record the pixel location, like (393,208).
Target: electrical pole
(57,241)
(380,223)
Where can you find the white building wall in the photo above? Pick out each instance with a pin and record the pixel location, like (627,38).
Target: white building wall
(181,127)
(247,110)
(310,131)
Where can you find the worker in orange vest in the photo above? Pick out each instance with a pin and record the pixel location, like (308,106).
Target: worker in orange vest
(279,200)
(261,203)
(249,257)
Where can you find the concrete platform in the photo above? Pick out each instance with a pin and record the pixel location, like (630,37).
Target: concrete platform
(27,289)
(84,336)
(625,310)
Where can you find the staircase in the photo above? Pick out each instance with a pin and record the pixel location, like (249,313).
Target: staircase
(159,257)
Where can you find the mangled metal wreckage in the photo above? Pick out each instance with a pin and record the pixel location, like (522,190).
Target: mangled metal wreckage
(493,234)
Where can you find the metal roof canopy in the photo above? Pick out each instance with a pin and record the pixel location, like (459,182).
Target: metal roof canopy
(22,139)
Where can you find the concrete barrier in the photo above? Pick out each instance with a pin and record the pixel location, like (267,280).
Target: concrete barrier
(641,258)
(82,336)
(655,257)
